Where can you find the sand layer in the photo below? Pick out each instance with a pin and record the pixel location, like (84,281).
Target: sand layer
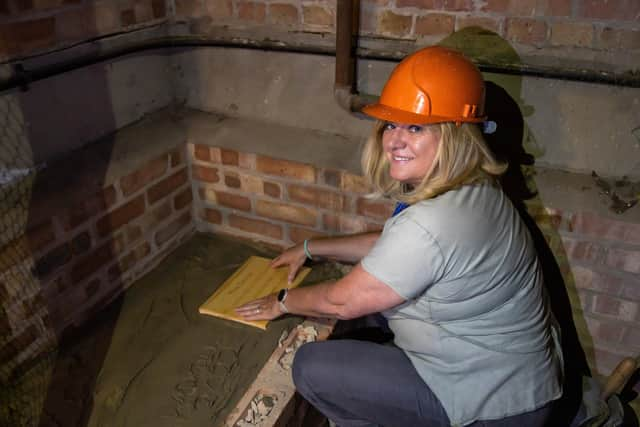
(152,360)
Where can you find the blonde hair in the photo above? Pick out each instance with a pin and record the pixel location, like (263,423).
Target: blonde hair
(462,158)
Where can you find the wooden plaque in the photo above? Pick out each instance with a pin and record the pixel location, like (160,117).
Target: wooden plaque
(254,279)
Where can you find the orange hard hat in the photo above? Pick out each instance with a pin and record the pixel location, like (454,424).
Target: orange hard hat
(432,85)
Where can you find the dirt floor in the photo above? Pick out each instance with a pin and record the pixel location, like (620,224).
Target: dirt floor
(152,360)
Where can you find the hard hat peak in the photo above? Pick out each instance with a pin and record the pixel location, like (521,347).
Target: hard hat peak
(433,85)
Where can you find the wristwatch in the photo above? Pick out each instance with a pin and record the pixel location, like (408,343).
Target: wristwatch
(282,296)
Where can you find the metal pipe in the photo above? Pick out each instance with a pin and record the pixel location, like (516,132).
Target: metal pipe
(344,87)
(22,76)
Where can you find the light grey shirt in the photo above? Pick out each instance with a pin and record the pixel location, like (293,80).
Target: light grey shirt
(475,323)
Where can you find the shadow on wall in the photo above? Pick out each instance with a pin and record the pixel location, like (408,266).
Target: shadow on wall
(504,105)
(38,247)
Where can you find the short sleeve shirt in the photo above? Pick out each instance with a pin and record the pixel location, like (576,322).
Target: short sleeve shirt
(475,322)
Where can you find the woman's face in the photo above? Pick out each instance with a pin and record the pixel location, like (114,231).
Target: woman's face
(410,150)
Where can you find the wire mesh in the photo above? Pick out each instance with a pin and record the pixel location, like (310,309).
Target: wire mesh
(27,342)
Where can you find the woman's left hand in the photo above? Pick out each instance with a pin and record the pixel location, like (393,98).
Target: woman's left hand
(265,308)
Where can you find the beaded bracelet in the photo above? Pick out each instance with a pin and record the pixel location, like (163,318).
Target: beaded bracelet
(306,249)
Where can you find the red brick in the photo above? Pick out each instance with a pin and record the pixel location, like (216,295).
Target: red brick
(283,14)
(620,10)
(255,226)
(92,262)
(229,157)
(626,260)
(318,16)
(526,31)
(205,173)
(331,178)
(605,330)
(354,184)
(212,215)
(286,212)
(557,8)
(394,24)
(583,250)
(297,234)
(219,9)
(106,17)
(435,24)
(233,201)
(420,4)
(27,36)
(251,11)
(251,184)
(143,176)
(202,152)
(182,199)
(612,38)
(174,227)
(511,7)
(91,206)
(596,281)
(316,197)
(491,24)
(247,160)
(131,259)
(272,189)
(285,168)
(232,180)
(344,224)
(615,307)
(167,185)
(188,8)
(593,225)
(453,5)
(120,216)
(53,260)
(571,34)
(13,347)
(374,208)
(631,289)
(159,8)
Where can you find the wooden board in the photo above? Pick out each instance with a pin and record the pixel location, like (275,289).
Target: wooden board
(254,279)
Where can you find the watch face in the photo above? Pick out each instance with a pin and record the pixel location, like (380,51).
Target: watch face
(282,294)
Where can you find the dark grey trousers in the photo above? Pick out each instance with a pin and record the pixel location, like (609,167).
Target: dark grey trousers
(359,383)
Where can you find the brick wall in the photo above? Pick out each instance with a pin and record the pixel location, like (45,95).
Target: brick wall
(65,269)
(552,28)
(279,203)
(32,26)
(600,262)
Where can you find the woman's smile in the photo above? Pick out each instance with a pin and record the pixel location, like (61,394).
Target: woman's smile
(410,150)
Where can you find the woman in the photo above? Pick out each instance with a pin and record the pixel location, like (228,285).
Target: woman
(455,274)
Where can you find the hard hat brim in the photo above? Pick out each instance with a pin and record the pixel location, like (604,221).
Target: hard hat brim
(390,114)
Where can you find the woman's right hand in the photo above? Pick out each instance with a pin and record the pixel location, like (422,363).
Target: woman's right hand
(294,257)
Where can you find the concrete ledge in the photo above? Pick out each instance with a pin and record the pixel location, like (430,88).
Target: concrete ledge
(99,164)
